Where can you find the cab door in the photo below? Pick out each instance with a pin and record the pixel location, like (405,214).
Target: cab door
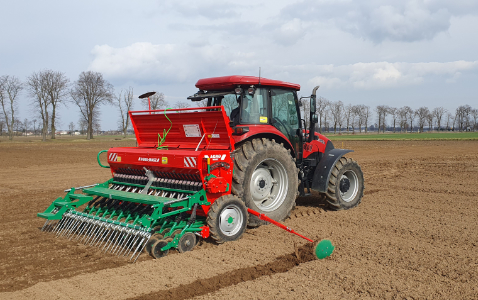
(284,115)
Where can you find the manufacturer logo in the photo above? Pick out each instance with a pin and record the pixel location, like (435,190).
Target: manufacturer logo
(189,162)
(216,156)
(148,159)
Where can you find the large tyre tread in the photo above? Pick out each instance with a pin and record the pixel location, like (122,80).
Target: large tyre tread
(244,155)
(331,197)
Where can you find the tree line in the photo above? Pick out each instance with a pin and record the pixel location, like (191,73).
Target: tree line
(336,116)
(48,89)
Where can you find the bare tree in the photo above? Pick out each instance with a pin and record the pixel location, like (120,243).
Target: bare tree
(97,127)
(355,118)
(422,114)
(411,116)
(382,115)
(327,117)
(157,101)
(430,118)
(367,113)
(181,104)
(474,114)
(37,86)
(89,92)
(203,103)
(10,87)
(18,127)
(337,112)
(71,127)
(450,120)
(321,105)
(34,121)
(56,87)
(83,125)
(438,113)
(393,111)
(403,118)
(124,102)
(360,116)
(348,115)
(26,125)
(462,117)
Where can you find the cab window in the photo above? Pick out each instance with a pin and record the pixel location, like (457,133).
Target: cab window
(284,112)
(254,107)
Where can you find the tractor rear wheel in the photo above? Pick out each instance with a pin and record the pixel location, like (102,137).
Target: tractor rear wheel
(265,178)
(227,219)
(346,185)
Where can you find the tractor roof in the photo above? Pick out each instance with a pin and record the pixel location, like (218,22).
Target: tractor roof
(230,82)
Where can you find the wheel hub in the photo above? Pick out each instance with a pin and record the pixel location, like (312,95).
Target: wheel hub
(344,185)
(348,185)
(262,183)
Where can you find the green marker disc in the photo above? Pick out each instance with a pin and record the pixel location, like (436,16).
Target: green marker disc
(324,249)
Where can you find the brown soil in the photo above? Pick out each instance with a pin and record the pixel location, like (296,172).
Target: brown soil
(415,234)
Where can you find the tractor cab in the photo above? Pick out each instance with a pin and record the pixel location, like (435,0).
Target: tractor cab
(255,106)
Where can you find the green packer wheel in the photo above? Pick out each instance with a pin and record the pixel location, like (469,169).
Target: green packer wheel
(324,249)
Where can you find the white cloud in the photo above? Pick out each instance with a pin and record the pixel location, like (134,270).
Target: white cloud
(380,20)
(378,75)
(290,32)
(168,63)
(173,63)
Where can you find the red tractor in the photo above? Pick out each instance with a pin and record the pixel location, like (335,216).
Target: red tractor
(276,158)
(208,171)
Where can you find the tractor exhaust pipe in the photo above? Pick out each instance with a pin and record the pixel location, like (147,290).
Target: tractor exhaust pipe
(313,116)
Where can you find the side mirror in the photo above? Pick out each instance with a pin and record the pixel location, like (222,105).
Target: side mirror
(313,104)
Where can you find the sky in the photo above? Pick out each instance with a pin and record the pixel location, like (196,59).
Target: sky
(372,52)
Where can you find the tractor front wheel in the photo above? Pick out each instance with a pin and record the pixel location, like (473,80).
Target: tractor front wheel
(346,185)
(227,219)
(265,178)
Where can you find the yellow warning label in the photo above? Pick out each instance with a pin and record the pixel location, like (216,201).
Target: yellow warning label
(164,160)
(263,119)
(118,159)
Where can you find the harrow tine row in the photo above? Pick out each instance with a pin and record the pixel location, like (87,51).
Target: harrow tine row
(110,238)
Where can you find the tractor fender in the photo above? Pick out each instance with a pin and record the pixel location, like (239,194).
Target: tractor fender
(322,172)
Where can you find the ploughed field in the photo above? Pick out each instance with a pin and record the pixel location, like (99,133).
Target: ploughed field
(414,236)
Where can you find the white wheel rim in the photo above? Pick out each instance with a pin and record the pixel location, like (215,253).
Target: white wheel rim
(269,185)
(231,220)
